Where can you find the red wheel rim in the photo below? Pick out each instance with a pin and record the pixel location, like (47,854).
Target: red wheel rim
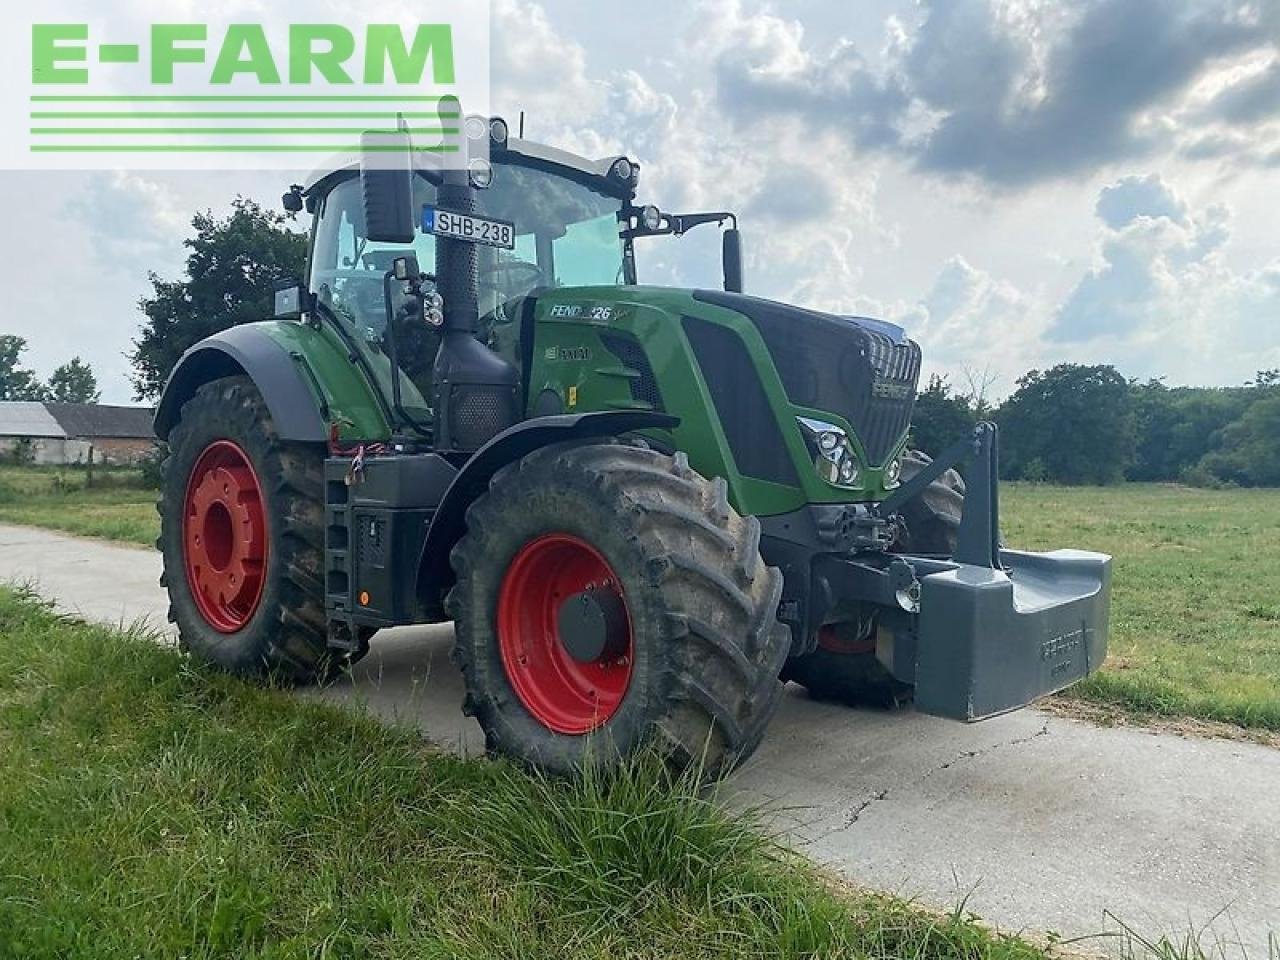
(564,694)
(224,537)
(829,639)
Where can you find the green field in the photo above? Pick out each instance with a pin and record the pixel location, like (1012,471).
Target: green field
(1196,602)
(148,809)
(120,505)
(1196,612)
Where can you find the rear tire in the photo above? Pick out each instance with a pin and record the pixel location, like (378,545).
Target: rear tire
(239,506)
(844,667)
(700,639)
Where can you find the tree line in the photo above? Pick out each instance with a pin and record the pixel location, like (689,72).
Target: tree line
(1082,424)
(73,382)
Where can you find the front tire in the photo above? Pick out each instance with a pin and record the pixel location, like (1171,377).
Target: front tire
(241,520)
(609,598)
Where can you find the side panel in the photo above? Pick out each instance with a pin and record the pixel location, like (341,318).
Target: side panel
(572,364)
(304,374)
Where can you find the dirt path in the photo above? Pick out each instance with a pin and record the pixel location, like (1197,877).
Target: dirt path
(1043,822)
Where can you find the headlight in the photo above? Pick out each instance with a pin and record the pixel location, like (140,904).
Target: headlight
(481,173)
(651,218)
(626,171)
(833,455)
(499,132)
(475,127)
(893,474)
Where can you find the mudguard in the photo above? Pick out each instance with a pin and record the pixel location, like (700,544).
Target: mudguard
(306,376)
(449,523)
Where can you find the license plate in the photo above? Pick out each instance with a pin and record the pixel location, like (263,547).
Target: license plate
(469,228)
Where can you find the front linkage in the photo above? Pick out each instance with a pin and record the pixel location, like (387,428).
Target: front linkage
(984,630)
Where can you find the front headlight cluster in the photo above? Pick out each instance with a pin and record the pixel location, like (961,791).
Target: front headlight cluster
(833,455)
(893,473)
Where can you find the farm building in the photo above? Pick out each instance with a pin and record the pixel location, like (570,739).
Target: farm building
(66,433)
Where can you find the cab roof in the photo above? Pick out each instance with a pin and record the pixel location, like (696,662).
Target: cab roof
(593,173)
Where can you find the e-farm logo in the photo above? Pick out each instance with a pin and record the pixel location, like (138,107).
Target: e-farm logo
(120,91)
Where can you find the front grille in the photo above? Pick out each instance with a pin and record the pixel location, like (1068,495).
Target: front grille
(644,388)
(748,422)
(833,364)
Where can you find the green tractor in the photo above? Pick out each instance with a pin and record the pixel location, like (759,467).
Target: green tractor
(646,509)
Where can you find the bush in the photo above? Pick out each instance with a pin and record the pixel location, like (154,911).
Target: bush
(150,468)
(1035,471)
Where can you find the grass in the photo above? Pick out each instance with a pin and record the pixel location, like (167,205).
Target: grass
(1196,596)
(1196,604)
(120,505)
(150,809)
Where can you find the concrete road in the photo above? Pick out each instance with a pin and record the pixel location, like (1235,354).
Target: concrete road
(1043,823)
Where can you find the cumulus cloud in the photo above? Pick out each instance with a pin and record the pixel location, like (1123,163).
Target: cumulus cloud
(1163,298)
(1008,92)
(132,218)
(536,68)
(970,320)
(1133,197)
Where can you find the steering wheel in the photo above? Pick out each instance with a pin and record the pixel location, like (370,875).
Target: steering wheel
(501,276)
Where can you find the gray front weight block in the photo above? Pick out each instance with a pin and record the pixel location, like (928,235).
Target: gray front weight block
(992,641)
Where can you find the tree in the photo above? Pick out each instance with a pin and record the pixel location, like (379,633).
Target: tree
(1072,424)
(231,275)
(74,382)
(1177,427)
(941,417)
(15,382)
(1250,450)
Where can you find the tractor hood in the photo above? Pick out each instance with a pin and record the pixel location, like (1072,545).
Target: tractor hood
(866,371)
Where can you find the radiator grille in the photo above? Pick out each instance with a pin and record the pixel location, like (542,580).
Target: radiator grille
(835,364)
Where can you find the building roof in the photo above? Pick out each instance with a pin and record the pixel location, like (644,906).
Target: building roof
(85,421)
(19,418)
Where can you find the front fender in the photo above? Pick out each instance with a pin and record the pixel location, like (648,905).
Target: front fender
(449,523)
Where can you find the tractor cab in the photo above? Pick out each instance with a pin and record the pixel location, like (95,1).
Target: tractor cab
(572,223)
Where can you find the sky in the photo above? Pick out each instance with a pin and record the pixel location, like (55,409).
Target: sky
(1018,183)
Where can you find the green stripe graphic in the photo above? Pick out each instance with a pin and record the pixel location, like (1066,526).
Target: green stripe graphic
(216,131)
(149,98)
(232,115)
(227,148)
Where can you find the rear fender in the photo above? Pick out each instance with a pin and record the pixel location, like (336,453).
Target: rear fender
(287,362)
(435,575)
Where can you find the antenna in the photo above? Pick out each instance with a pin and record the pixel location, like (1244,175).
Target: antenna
(521,124)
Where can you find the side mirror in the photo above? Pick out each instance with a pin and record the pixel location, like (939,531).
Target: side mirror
(386,182)
(733,260)
(406,268)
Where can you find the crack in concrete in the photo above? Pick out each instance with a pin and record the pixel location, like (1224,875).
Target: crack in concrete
(853,814)
(974,754)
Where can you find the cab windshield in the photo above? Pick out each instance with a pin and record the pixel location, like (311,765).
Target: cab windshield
(566,235)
